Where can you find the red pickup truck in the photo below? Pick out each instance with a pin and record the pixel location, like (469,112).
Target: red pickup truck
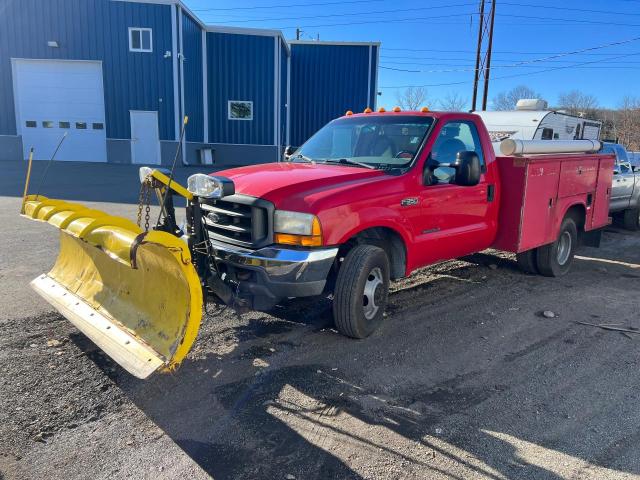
(372,197)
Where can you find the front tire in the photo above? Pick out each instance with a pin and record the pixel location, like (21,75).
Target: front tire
(361,291)
(555,260)
(631,219)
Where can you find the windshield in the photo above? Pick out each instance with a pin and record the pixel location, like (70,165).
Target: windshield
(376,141)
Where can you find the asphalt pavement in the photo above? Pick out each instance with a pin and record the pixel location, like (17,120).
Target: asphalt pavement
(466,379)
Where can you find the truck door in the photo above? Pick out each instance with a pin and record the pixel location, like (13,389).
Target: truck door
(455,219)
(622,188)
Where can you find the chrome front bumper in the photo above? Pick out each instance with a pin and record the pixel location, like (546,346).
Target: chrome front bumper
(280,272)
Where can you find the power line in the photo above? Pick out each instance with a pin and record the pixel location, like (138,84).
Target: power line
(285,6)
(572,20)
(465,82)
(559,55)
(544,21)
(448,58)
(356,13)
(582,10)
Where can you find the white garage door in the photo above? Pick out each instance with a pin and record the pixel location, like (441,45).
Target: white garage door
(54,97)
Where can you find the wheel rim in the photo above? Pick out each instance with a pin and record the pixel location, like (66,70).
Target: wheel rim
(373,292)
(564,248)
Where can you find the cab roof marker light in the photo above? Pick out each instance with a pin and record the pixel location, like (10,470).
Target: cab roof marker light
(382,110)
(349,113)
(397,109)
(424,109)
(368,110)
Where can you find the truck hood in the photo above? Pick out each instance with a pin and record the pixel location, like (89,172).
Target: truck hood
(279,182)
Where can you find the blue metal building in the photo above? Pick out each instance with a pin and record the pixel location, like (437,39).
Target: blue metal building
(118,76)
(340,75)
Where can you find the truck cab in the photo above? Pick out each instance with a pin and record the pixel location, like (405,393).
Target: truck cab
(625,191)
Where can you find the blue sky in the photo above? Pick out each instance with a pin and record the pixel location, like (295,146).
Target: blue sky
(438,38)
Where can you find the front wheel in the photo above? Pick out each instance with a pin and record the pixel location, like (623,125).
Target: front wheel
(555,260)
(361,291)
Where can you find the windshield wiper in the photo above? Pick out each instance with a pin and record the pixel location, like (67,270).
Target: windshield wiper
(350,162)
(304,157)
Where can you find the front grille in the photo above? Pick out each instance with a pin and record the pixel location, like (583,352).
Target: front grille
(238,219)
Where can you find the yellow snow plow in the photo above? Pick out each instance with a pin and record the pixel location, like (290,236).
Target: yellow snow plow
(135,293)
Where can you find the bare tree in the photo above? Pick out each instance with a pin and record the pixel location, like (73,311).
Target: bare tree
(412,98)
(578,103)
(507,100)
(453,102)
(627,125)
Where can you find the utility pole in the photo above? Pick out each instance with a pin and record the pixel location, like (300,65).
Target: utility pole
(483,54)
(298,32)
(476,76)
(487,71)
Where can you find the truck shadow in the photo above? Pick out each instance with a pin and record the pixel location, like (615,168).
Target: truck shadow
(419,399)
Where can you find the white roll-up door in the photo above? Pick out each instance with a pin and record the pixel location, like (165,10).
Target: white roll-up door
(54,97)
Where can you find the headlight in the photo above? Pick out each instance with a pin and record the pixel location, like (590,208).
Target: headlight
(295,228)
(206,186)
(144,172)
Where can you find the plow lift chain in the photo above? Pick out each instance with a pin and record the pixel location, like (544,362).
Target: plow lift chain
(144,202)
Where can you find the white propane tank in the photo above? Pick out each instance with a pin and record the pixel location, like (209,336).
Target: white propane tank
(511,147)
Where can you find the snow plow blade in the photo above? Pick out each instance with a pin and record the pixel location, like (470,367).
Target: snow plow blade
(135,294)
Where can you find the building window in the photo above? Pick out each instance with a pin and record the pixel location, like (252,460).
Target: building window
(31,124)
(81,126)
(98,126)
(240,110)
(47,124)
(140,40)
(547,134)
(64,125)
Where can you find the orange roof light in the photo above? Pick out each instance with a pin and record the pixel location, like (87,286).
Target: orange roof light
(424,109)
(368,110)
(397,109)
(349,112)
(381,110)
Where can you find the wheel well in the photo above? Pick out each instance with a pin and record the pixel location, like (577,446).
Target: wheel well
(579,215)
(387,239)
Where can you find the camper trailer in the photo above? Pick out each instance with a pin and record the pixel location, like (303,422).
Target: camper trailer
(532,120)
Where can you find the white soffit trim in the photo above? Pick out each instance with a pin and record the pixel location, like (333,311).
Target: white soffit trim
(205,89)
(174,59)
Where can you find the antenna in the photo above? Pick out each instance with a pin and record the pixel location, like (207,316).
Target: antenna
(173,167)
(46,169)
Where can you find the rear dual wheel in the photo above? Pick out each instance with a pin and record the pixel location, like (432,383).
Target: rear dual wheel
(361,291)
(555,259)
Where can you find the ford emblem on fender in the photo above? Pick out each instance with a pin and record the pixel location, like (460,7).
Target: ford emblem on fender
(214,217)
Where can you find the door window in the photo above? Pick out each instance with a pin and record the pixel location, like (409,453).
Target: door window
(455,137)
(547,134)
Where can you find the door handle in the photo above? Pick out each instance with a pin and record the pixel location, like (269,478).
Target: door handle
(491,192)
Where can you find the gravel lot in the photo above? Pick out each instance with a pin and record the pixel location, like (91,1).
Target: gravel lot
(467,379)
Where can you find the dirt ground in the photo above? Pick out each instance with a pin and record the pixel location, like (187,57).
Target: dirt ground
(466,379)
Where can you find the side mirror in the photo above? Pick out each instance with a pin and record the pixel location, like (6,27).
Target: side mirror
(468,169)
(288,151)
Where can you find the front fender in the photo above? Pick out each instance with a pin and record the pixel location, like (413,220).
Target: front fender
(343,223)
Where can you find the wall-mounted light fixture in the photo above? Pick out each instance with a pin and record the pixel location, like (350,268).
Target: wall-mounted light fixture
(167,54)
(53,44)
